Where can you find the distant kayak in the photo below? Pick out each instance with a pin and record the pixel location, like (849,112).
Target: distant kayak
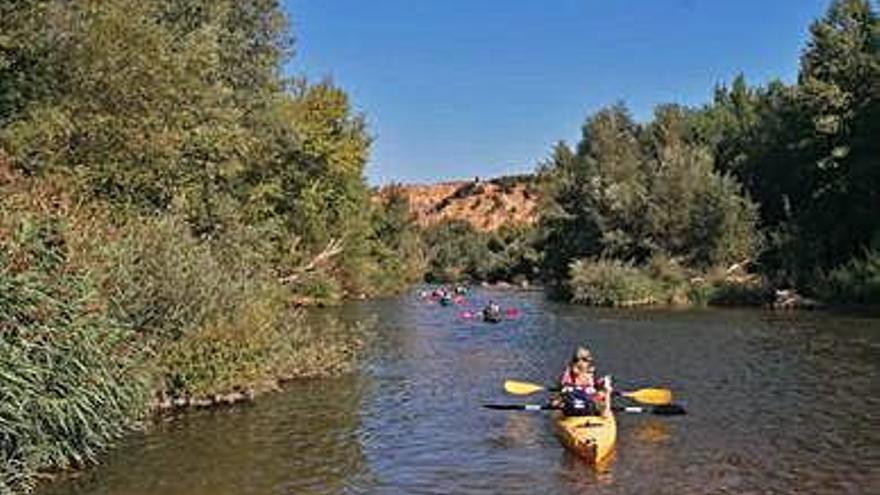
(492,316)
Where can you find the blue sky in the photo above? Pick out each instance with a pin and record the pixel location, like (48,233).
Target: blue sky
(463,88)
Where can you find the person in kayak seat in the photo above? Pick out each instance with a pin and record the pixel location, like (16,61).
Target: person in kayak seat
(492,312)
(581,394)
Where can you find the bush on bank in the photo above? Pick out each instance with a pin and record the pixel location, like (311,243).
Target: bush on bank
(856,282)
(610,282)
(72,379)
(101,316)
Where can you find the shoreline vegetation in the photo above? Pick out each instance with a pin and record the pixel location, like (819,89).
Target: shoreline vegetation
(167,197)
(768,195)
(168,200)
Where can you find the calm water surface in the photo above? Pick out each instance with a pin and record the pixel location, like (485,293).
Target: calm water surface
(778,403)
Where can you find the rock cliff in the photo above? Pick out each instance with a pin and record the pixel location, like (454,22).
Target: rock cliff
(486,204)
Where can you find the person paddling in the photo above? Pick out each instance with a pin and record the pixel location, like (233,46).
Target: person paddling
(581,394)
(492,312)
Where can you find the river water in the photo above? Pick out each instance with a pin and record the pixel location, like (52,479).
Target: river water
(777,403)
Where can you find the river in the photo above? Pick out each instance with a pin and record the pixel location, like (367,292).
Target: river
(777,403)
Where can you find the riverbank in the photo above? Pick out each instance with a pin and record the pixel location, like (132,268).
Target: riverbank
(414,416)
(613,283)
(108,317)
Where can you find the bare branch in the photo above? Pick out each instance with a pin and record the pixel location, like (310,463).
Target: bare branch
(333,249)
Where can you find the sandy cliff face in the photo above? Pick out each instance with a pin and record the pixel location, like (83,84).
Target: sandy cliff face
(487,205)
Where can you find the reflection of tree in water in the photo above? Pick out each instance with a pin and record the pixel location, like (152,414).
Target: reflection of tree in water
(522,429)
(581,475)
(651,431)
(800,397)
(303,440)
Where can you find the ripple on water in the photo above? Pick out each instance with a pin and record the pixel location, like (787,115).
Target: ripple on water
(779,403)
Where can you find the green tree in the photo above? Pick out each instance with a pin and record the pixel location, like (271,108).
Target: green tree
(398,250)
(694,213)
(456,251)
(164,132)
(633,192)
(839,89)
(807,153)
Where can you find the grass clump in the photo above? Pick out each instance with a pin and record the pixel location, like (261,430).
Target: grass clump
(857,282)
(608,282)
(72,379)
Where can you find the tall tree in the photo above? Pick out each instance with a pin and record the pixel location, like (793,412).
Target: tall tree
(839,89)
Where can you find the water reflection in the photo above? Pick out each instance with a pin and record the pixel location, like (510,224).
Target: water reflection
(778,403)
(651,431)
(301,442)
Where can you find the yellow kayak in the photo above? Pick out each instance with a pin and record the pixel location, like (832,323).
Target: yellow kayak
(590,437)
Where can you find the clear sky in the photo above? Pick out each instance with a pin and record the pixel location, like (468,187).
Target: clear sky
(464,88)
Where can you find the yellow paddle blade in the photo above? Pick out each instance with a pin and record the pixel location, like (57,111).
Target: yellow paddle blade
(521,388)
(651,396)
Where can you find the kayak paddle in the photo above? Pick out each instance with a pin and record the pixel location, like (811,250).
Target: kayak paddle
(651,396)
(521,407)
(660,410)
(467,315)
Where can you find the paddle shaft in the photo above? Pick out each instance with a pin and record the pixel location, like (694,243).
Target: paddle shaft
(664,410)
(649,396)
(521,407)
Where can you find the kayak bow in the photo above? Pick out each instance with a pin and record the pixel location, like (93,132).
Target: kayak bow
(589,437)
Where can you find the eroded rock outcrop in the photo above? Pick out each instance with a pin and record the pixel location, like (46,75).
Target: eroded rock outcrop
(486,205)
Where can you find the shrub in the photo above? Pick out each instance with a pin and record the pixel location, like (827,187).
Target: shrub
(729,293)
(856,282)
(163,282)
(223,355)
(71,379)
(320,286)
(672,276)
(607,282)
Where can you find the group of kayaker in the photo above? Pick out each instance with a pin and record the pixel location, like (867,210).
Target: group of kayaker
(580,392)
(447,296)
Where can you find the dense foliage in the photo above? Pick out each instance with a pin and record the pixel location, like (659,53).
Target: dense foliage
(165,193)
(808,153)
(457,251)
(631,192)
(178,107)
(781,178)
(71,378)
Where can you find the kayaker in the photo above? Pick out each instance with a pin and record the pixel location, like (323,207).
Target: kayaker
(492,312)
(580,392)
